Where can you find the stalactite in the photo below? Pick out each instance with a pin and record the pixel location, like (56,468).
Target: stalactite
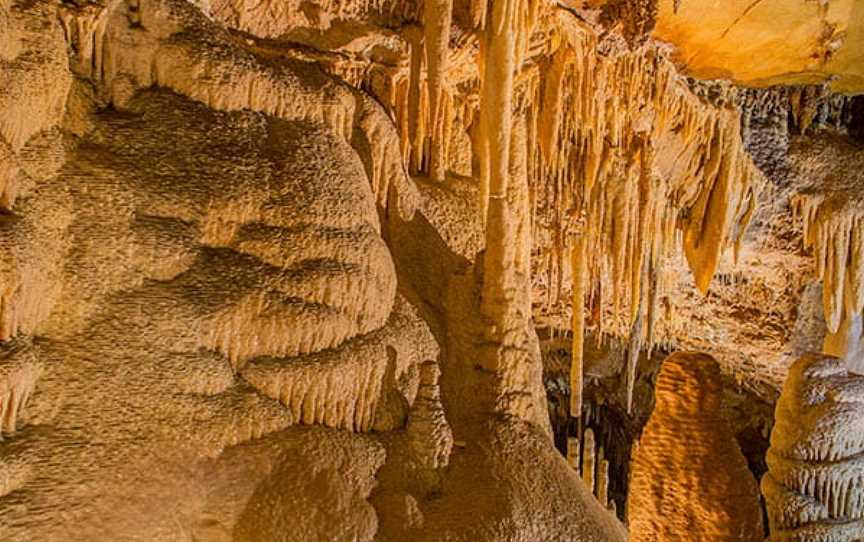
(579,266)
(836,240)
(496,124)
(84,29)
(437,15)
(415,126)
(478,13)
(550,110)
(723,200)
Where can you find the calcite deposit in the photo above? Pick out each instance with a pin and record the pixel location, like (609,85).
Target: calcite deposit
(688,454)
(317,269)
(813,485)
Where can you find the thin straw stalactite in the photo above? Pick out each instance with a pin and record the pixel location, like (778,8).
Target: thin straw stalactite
(580,268)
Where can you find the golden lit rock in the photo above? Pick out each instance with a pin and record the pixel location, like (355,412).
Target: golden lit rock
(768,42)
(812,488)
(688,454)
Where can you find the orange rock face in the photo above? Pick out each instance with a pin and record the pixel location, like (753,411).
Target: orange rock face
(768,41)
(689,480)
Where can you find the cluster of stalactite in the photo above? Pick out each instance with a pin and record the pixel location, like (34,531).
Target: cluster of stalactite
(817,105)
(833,229)
(625,164)
(837,241)
(640,165)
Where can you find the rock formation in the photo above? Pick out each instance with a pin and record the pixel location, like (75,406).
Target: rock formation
(177,306)
(813,486)
(275,270)
(829,206)
(688,454)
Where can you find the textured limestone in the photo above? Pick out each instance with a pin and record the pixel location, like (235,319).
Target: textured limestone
(34,83)
(813,486)
(157,293)
(18,375)
(346,388)
(688,454)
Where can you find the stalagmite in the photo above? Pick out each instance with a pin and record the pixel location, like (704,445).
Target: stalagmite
(688,454)
(633,349)
(573,449)
(813,485)
(428,430)
(603,483)
(588,459)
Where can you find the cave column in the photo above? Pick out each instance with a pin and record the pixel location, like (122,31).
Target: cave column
(496,125)
(514,354)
